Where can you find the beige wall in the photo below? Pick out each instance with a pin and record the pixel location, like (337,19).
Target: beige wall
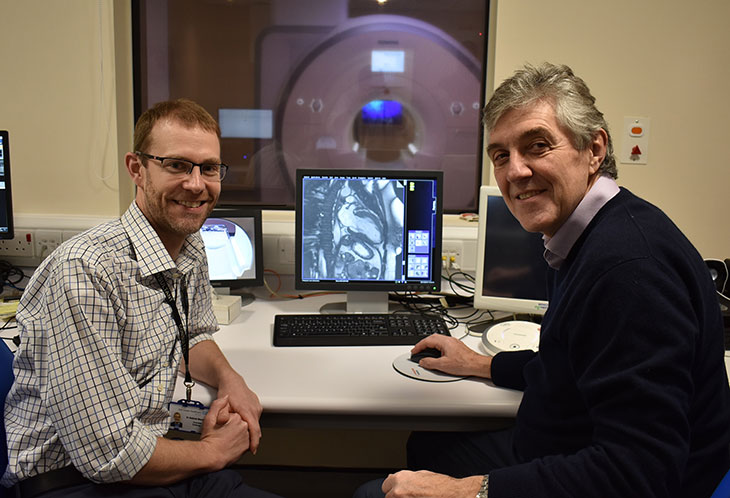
(66,97)
(58,99)
(668,60)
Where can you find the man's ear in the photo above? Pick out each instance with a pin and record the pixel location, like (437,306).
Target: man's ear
(134,168)
(598,147)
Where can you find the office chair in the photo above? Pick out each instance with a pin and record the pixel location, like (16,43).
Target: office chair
(723,489)
(6,380)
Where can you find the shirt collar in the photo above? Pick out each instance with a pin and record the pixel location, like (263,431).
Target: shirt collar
(152,256)
(558,247)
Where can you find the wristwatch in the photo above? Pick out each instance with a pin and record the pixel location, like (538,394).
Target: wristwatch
(483,491)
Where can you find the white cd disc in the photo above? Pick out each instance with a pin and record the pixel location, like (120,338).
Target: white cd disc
(511,336)
(404,365)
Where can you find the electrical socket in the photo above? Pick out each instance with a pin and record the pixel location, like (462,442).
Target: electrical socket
(21,245)
(19,250)
(46,241)
(452,251)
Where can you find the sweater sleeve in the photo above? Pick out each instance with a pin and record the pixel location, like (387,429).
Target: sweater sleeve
(508,366)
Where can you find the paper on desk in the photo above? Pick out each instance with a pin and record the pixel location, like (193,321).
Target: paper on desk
(8,310)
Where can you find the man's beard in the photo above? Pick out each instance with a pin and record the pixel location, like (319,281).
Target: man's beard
(163,221)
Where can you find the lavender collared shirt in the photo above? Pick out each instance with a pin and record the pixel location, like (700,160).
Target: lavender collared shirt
(559,245)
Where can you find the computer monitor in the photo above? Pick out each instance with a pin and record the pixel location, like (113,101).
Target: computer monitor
(511,273)
(6,199)
(233,244)
(368,232)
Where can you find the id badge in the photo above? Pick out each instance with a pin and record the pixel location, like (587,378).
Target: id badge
(187,416)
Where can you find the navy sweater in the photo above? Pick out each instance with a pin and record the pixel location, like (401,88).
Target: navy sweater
(628,395)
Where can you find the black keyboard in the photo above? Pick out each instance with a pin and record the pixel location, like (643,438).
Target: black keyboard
(356,329)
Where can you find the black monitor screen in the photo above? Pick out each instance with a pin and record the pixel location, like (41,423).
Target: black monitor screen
(233,244)
(511,271)
(368,230)
(514,264)
(6,200)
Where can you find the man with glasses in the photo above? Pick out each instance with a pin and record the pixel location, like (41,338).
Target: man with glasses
(104,323)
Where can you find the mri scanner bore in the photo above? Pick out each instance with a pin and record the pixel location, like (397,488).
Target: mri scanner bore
(381,91)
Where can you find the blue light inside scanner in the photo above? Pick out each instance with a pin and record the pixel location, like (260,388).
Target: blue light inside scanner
(382,112)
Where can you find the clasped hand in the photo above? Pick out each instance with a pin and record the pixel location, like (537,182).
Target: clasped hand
(225,431)
(245,403)
(232,423)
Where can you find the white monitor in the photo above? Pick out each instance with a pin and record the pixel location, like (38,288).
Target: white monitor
(511,272)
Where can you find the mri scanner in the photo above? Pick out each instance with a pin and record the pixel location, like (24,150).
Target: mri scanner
(379,91)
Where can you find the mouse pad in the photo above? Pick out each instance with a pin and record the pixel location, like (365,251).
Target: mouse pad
(406,367)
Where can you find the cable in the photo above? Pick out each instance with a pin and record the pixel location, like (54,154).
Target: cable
(11,276)
(275,293)
(417,303)
(476,321)
(456,285)
(266,284)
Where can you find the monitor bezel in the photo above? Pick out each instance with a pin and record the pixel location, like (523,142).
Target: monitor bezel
(10,234)
(434,285)
(228,212)
(497,303)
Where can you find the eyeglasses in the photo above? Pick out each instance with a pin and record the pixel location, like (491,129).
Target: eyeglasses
(178,167)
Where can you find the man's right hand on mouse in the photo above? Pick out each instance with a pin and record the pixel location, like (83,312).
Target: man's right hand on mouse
(456,357)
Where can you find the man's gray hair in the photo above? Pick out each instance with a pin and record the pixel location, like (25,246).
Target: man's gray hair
(574,105)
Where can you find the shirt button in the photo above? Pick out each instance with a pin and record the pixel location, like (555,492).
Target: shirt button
(160,388)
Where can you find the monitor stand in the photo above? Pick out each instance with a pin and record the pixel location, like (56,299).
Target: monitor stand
(359,302)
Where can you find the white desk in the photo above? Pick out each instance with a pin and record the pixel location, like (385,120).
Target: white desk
(347,386)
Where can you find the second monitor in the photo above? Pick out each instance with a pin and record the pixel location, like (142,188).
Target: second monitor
(233,244)
(511,271)
(368,232)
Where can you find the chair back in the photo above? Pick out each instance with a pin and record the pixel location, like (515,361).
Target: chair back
(6,380)
(723,489)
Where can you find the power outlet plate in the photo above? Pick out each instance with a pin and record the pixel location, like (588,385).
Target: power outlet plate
(19,250)
(46,241)
(453,251)
(20,245)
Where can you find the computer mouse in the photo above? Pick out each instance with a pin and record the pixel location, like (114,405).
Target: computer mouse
(426,353)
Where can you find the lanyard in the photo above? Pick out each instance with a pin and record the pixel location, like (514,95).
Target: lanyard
(183,333)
